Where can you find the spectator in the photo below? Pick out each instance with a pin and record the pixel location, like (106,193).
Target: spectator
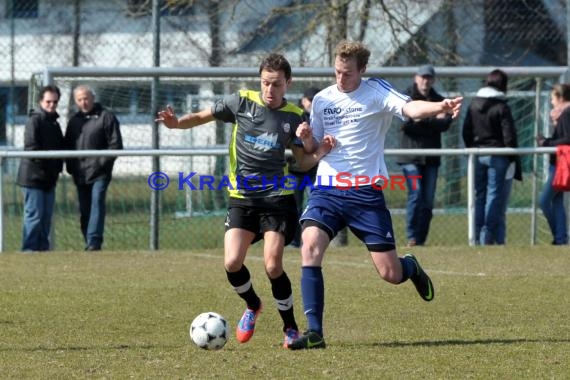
(92,128)
(302,177)
(421,171)
(489,124)
(558,101)
(38,177)
(514,171)
(552,202)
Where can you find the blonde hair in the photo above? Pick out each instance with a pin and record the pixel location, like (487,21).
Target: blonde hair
(561,91)
(353,49)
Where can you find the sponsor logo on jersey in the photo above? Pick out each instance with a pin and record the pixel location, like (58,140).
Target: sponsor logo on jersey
(263,142)
(332,111)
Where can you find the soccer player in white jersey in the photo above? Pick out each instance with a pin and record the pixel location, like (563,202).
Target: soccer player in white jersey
(358,114)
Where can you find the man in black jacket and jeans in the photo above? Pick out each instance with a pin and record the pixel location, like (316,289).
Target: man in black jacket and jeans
(421,171)
(489,124)
(92,127)
(38,177)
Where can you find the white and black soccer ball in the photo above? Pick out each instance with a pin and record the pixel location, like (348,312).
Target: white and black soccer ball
(209,331)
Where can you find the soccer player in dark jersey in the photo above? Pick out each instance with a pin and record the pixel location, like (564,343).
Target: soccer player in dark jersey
(262,204)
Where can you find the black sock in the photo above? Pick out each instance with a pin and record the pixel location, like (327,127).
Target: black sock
(283,295)
(241,282)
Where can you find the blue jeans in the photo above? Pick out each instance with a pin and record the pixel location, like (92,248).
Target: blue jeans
(490,172)
(38,212)
(502,226)
(92,211)
(552,206)
(421,194)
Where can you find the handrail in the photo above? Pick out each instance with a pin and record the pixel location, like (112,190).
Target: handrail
(217,151)
(471,153)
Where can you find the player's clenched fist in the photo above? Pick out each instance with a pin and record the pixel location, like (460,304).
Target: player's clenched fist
(304,131)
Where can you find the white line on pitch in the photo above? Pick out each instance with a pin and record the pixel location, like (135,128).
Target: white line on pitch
(348,263)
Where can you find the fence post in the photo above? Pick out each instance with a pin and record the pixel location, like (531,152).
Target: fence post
(1,205)
(471,199)
(534,186)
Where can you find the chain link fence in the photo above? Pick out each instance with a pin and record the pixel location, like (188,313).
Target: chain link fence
(36,34)
(194,218)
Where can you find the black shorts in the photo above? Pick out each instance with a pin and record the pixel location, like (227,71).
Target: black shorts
(259,215)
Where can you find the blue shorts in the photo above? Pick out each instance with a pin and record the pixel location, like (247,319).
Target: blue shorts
(363,210)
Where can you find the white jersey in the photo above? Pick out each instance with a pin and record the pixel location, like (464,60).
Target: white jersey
(359,121)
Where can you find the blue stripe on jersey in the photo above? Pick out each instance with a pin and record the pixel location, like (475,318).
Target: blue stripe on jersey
(389,88)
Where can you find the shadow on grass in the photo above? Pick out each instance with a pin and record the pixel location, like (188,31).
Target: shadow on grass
(459,342)
(449,342)
(89,348)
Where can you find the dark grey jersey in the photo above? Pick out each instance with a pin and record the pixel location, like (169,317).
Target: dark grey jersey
(259,138)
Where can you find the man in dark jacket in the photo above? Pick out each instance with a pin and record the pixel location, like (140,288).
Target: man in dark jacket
(38,177)
(92,127)
(421,171)
(489,124)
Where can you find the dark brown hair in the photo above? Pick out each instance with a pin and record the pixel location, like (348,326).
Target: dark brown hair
(276,62)
(497,79)
(49,88)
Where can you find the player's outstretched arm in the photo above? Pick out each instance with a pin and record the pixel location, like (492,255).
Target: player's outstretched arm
(420,109)
(307,160)
(169,119)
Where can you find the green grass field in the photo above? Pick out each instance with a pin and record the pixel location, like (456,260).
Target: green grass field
(499,312)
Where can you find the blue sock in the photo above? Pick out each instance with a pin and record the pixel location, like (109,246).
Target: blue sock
(313,292)
(408,268)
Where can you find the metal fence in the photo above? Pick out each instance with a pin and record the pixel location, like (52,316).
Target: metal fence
(134,35)
(465,233)
(141,219)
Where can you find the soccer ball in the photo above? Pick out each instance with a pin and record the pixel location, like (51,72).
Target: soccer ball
(209,331)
